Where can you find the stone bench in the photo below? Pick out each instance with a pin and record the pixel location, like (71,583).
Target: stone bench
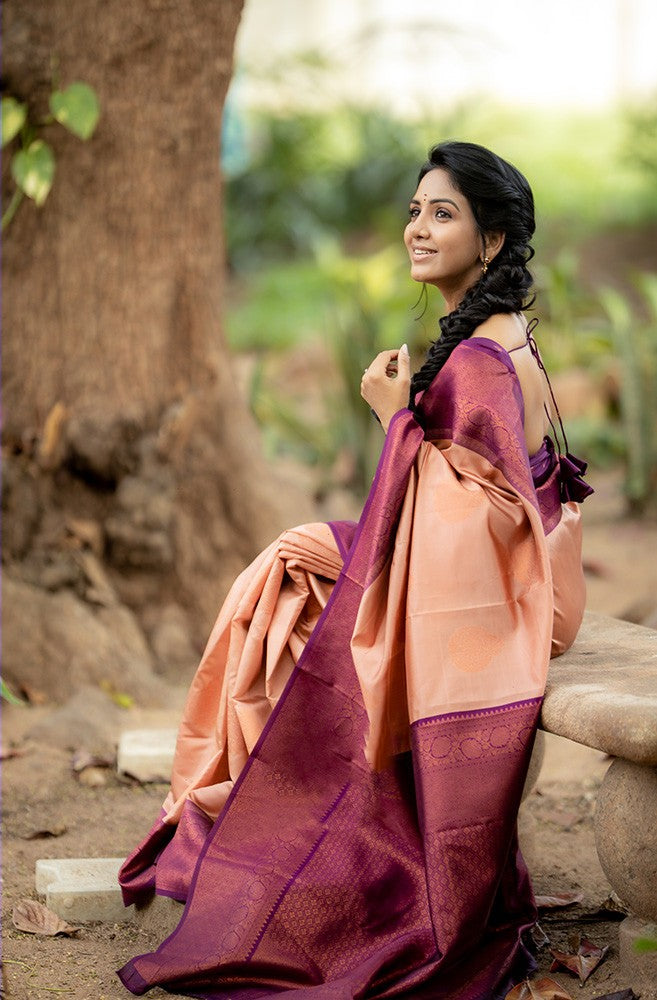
(603,693)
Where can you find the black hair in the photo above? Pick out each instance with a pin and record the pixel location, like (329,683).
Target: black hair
(502,202)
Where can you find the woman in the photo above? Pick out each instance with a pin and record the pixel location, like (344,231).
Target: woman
(342,817)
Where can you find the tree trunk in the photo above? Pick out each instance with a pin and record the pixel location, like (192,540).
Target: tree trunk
(126,441)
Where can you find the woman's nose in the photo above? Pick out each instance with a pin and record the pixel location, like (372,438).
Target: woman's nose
(419,227)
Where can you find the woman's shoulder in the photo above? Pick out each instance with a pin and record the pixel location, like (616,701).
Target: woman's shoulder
(509,330)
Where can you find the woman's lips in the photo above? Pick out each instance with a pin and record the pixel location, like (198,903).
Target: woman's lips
(422,252)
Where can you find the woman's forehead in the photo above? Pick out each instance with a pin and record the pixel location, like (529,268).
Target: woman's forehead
(436,183)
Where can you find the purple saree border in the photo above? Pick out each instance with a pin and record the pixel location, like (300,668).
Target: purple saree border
(462,391)
(474,713)
(391,443)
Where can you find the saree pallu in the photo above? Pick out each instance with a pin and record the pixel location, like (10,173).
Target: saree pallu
(342,815)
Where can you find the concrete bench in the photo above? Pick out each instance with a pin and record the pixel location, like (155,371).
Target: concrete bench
(603,693)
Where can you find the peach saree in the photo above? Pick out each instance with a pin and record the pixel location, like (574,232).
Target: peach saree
(342,814)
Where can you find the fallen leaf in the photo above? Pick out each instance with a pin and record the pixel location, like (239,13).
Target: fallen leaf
(538,989)
(82,759)
(86,532)
(34,695)
(93,777)
(539,937)
(559,900)
(582,961)
(51,831)
(119,698)
(628,994)
(35,918)
(52,444)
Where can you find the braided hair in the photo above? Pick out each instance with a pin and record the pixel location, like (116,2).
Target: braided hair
(502,202)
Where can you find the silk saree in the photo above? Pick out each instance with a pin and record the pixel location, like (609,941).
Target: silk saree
(342,815)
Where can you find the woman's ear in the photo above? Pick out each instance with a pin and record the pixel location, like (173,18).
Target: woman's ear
(493,243)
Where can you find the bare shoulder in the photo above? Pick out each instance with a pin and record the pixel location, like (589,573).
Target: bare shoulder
(506,329)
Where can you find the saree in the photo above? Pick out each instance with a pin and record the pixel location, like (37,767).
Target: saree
(342,815)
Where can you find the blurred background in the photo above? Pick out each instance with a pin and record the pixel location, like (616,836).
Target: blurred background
(329,115)
(203,209)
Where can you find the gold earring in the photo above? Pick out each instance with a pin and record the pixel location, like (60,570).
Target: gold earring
(484,266)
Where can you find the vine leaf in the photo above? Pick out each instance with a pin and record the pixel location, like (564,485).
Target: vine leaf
(33,169)
(35,918)
(13,118)
(76,108)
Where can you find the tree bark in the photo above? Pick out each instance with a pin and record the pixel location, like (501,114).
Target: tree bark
(114,287)
(121,408)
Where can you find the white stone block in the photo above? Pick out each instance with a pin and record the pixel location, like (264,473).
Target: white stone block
(82,889)
(147,754)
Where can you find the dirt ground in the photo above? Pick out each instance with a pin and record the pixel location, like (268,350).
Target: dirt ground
(40,793)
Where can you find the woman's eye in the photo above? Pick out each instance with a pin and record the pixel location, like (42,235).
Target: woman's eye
(413,212)
(442,213)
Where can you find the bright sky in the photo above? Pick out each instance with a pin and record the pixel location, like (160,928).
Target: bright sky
(424,53)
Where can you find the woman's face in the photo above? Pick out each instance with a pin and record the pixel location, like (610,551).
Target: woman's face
(443,242)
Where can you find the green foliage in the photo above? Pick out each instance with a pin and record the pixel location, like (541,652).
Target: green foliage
(14,115)
(33,169)
(355,307)
(7,694)
(314,176)
(76,108)
(645,944)
(33,165)
(640,138)
(636,346)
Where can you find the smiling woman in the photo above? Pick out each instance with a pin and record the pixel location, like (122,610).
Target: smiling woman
(342,815)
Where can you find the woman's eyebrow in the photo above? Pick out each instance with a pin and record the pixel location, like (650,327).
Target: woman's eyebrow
(437,201)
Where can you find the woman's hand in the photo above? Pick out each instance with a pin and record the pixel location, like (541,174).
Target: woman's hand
(386,383)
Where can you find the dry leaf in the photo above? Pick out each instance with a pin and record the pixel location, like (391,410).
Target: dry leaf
(33,695)
(82,759)
(582,961)
(35,918)
(559,900)
(538,989)
(86,532)
(539,937)
(50,831)
(93,777)
(53,444)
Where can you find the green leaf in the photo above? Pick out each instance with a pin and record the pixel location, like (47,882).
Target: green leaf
(13,118)
(8,695)
(645,944)
(33,169)
(76,108)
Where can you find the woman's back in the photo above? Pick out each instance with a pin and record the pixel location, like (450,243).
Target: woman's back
(509,330)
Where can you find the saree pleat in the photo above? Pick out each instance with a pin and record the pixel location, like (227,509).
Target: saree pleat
(342,818)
